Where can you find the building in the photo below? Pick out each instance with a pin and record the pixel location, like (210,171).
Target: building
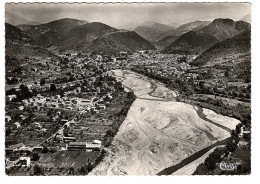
(242,144)
(37,149)
(72,146)
(94,146)
(8,118)
(17,125)
(11,97)
(16,146)
(69,139)
(24,161)
(8,151)
(83,102)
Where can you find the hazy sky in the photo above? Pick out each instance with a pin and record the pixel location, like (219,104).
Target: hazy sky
(128,16)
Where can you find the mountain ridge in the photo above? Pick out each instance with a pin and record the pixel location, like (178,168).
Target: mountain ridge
(15,20)
(238,44)
(153,31)
(195,42)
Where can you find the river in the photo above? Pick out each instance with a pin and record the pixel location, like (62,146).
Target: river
(159,134)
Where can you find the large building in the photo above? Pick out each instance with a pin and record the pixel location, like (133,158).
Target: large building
(84,146)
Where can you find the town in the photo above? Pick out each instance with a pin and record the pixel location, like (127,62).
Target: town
(124,91)
(76,112)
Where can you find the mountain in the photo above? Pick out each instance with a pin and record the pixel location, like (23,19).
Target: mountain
(14,33)
(20,45)
(190,43)
(152,31)
(100,38)
(172,35)
(195,42)
(50,33)
(247,18)
(21,56)
(85,33)
(237,45)
(17,20)
(128,41)
(72,34)
(174,24)
(222,29)
(188,27)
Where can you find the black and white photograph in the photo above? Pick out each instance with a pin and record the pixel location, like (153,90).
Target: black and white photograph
(127,89)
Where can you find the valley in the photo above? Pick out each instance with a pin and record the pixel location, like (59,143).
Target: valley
(125,96)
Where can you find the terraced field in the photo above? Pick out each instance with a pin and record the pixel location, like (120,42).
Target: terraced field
(158,132)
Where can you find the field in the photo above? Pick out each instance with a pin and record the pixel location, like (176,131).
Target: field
(59,163)
(156,134)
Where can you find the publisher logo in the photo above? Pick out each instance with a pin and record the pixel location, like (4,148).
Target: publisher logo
(227,166)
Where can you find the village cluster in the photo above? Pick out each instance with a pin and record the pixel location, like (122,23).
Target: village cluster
(65,112)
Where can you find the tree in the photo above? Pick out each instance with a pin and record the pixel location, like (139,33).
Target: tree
(37,170)
(45,150)
(201,170)
(53,87)
(42,82)
(89,167)
(83,169)
(7,131)
(71,171)
(24,92)
(35,157)
(231,145)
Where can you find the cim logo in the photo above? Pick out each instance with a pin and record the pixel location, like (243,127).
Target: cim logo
(227,166)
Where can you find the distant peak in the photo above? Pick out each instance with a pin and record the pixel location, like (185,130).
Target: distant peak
(224,20)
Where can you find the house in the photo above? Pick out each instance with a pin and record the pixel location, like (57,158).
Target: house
(43,129)
(24,161)
(83,102)
(95,145)
(8,151)
(25,101)
(24,150)
(17,124)
(21,108)
(34,69)
(11,97)
(242,144)
(141,52)
(37,149)
(22,117)
(102,106)
(69,139)
(59,137)
(8,118)
(97,142)
(16,146)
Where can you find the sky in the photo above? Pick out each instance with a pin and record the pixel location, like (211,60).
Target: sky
(128,16)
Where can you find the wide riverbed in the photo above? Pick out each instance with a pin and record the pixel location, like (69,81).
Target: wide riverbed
(158,132)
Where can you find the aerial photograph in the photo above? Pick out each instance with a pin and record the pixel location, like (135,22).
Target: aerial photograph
(133,89)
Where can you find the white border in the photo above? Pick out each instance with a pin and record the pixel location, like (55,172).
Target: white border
(153,179)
